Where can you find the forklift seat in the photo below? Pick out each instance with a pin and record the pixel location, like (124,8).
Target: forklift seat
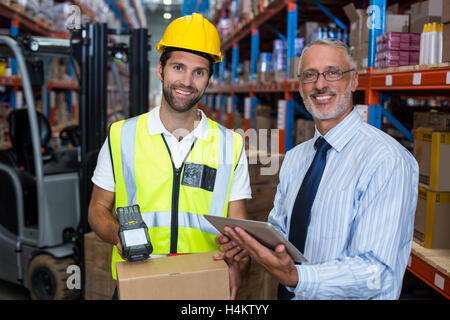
(20,133)
(54,162)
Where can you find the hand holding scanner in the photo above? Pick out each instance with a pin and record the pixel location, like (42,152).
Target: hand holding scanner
(133,234)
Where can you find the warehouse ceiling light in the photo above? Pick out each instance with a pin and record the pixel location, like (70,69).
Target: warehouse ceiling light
(167,15)
(167,2)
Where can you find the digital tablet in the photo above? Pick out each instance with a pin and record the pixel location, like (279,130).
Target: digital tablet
(261,231)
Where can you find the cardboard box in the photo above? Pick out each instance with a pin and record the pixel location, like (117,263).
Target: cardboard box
(193,276)
(361,54)
(397,23)
(445,11)
(432,220)
(304,130)
(293,67)
(446,43)
(432,152)
(306,30)
(423,9)
(99,284)
(425,12)
(432,120)
(359,32)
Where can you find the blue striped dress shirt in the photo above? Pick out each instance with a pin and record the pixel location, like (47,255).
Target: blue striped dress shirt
(362,220)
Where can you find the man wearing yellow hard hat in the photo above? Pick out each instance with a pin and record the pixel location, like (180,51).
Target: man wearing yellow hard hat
(173,161)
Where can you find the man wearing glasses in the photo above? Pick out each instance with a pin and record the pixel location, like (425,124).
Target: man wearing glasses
(346,198)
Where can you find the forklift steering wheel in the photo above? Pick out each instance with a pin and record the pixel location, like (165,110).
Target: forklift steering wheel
(71,133)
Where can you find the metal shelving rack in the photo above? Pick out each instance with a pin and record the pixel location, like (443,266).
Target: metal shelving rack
(375,83)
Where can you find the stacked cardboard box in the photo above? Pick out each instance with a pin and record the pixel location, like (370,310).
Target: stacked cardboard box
(259,284)
(432,120)
(294,67)
(99,282)
(432,221)
(446,31)
(423,12)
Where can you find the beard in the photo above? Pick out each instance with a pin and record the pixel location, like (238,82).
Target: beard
(342,103)
(178,106)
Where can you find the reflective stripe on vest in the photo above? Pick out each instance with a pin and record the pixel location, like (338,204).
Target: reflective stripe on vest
(128,134)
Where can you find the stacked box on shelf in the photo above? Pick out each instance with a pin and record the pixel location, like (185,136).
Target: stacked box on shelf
(432,152)
(61,115)
(423,12)
(446,31)
(45,10)
(265,68)
(434,120)
(265,124)
(5,109)
(99,282)
(445,11)
(279,59)
(396,49)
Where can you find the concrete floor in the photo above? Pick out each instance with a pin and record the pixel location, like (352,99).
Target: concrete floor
(11,291)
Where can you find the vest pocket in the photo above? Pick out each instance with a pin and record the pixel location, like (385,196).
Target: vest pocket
(199,176)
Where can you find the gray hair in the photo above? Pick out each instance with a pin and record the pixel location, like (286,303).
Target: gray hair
(332,43)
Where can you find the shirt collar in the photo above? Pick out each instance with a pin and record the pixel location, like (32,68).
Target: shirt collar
(155,125)
(341,134)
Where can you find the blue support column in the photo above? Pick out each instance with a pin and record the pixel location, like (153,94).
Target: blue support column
(291,34)
(254,53)
(234,62)
(377,20)
(375,115)
(14,31)
(69,92)
(377,12)
(222,69)
(398,125)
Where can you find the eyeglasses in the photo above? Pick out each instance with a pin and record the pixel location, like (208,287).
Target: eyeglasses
(329,75)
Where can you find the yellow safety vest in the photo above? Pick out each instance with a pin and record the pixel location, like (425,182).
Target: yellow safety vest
(173,201)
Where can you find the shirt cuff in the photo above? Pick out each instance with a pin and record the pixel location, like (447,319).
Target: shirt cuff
(103,186)
(239,197)
(308,282)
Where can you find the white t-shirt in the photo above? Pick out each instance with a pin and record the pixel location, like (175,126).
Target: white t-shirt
(240,186)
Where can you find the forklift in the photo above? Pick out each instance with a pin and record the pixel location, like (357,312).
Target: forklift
(45,193)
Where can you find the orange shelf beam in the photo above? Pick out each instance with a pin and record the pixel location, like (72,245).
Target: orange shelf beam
(434,278)
(16,81)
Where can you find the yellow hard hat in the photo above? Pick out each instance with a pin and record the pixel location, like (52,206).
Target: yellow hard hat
(192,32)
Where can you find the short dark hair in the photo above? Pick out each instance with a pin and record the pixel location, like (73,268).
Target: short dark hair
(167,53)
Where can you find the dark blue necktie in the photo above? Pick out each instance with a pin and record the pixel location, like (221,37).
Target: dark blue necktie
(301,213)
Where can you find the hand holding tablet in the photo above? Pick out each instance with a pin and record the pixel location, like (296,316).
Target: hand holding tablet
(261,231)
